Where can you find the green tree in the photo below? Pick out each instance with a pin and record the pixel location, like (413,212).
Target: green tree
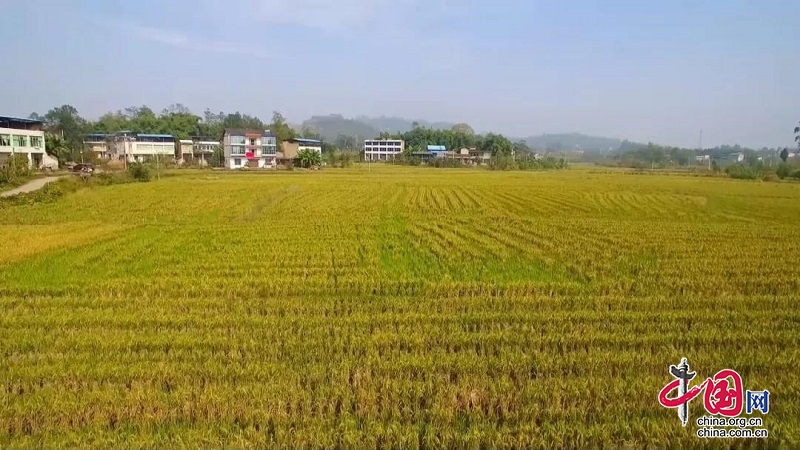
(784,154)
(282,131)
(217,157)
(65,122)
(309,158)
(463,128)
(178,121)
(496,144)
(55,147)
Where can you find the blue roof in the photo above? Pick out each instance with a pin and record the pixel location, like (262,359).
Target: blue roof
(437,148)
(144,135)
(307,141)
(19,119)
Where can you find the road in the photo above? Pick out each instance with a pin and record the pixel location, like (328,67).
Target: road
(30,186)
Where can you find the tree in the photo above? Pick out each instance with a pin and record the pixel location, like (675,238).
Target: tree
(463,128)
(55,147)
(217,157)
(784,154)
(521,148)
(279,127)
(64,121)
(797,136)
(496,144)
(309,158)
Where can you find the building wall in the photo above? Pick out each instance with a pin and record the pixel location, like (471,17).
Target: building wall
(139,151)
(382,149)
(238,162)
(290,149)
(100,149)
(313,148)
(28,142)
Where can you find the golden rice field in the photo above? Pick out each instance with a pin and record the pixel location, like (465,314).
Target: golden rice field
(397,308)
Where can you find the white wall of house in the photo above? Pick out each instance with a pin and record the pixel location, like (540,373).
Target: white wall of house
(382,149)
(238,162)
(314,148)
(28,142)
(138,151)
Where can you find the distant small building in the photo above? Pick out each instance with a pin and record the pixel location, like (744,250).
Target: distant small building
(26,137)
(291,147)
(183,151)
(203,148)
(140,147)
(737,157)
(98,143)
(702,158)
(249,148)
(383,149)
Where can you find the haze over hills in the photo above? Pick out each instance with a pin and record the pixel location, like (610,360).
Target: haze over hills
(574,141)
(331,126)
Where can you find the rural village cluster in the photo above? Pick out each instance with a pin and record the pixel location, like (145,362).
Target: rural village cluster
(257,149)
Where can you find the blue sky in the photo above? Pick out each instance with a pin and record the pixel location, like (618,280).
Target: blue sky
(647,71)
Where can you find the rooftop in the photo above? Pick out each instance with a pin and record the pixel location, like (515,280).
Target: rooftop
(244,132)
(437,148)
(306,141)
(19,123)
(20,120)
(146,135)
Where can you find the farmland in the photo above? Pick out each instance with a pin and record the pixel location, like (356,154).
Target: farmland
(396,308)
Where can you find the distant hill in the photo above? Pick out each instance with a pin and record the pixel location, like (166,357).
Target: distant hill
(573,141)
(331,126)
(400,125)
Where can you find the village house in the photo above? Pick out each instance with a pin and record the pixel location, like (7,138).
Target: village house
(255,149)
(25,137)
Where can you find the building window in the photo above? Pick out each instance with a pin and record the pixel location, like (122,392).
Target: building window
(5,140)
(237,140)
(237,150)
(237,162)
(36,141)
(19,141)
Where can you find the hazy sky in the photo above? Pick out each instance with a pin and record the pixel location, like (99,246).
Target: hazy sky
(643,70)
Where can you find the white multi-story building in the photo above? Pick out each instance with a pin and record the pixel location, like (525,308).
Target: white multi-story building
(24,136)
(383,149)
(141,146)
(249,148)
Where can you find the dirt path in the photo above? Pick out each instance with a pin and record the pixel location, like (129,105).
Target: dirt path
(30,186)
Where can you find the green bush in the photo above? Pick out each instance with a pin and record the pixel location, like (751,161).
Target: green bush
(746,171)
(783,171)
(139,172)
(14,168)
(795,174)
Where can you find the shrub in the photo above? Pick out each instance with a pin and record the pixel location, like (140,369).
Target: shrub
(783,171)
(139,172)
(795,174)
(14,168)
(745,171)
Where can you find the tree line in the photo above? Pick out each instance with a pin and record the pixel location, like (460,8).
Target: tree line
(66,129)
